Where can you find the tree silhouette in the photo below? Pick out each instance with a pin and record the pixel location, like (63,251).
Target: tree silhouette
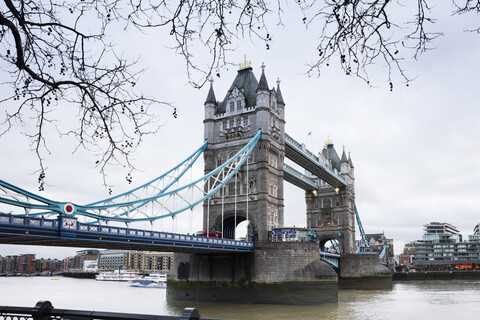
(57,52)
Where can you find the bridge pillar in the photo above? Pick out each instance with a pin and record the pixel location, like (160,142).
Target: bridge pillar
(330,211)
(363,271)
(276,273)
(257,196)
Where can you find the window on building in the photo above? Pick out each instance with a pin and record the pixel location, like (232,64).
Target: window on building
(231,188)
(273,160)
(239,105)
(232,106)
(327,203)
(245,122)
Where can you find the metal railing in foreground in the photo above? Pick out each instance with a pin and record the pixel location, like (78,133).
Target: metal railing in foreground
(44,310)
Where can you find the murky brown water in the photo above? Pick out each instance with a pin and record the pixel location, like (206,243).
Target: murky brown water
(412,300)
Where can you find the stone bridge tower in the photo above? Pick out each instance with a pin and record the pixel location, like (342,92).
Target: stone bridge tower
(330,211)
(248,106)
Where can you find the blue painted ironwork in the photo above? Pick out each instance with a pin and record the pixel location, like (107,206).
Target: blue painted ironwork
(122,208)
(335,245)
(363,237)
(67,228)
(383,256)
(331,258)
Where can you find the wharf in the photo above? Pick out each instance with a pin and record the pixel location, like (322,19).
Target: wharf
(436,275)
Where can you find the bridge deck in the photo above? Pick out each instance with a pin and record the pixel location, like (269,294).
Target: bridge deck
(67,232)
(299,154)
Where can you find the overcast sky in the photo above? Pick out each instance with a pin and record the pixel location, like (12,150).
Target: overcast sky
(416,149)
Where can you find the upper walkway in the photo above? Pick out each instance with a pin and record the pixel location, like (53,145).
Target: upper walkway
(299,154)
(298,179)
(69,232)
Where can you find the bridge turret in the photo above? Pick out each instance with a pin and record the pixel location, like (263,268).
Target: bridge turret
(249,105)
(352,168)
(280,102)
(346,170)
(330,210)
(210,109)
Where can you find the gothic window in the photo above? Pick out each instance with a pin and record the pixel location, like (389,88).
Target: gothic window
(251,158)
(327,203)
(245,122)
(273,190)
(231,188)
(224,125)
(232,106)
(239,105)
(273,160)
(238,187)
(239,122)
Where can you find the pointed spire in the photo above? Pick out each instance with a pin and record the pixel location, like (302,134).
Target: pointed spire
(279,94)
(211,94)
(350,160)
(344,157)
(262,84)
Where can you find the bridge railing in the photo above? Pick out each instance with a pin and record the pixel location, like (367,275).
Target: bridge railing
(302,148)
(44,310)
(331,258)
(71,224)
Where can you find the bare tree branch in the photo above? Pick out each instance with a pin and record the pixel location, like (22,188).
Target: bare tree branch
(49,54)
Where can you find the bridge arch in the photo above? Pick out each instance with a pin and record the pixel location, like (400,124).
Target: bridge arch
(231,223)
(326,241)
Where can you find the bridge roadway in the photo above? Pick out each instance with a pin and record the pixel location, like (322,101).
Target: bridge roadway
(299,154)
(68,232)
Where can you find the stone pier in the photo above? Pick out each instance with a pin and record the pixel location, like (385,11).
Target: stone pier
(363,271)
(276,273)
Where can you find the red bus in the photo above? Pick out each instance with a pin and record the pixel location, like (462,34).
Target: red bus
(210,234)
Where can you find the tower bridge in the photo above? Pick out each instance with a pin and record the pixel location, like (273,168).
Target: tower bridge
(244,172)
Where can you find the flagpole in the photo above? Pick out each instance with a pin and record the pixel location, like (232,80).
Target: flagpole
(311,143)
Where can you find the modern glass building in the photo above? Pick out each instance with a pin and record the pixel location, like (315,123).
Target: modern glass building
(442,247)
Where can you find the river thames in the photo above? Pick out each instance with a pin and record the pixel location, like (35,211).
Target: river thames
(406,300)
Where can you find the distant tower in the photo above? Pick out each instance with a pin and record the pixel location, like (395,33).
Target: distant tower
(248,106)
(330,211)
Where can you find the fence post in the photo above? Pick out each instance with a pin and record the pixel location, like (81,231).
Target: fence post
(190,314)
(42,310)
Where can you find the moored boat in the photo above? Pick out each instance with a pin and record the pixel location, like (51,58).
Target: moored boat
(151,281)
(117,275)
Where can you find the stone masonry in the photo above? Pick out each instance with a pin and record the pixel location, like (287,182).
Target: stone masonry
(248,106)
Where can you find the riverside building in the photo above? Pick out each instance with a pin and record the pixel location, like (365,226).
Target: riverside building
(109,260)
(442,248)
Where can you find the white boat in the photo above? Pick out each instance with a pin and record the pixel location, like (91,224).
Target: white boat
(151,281)
(117,275)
